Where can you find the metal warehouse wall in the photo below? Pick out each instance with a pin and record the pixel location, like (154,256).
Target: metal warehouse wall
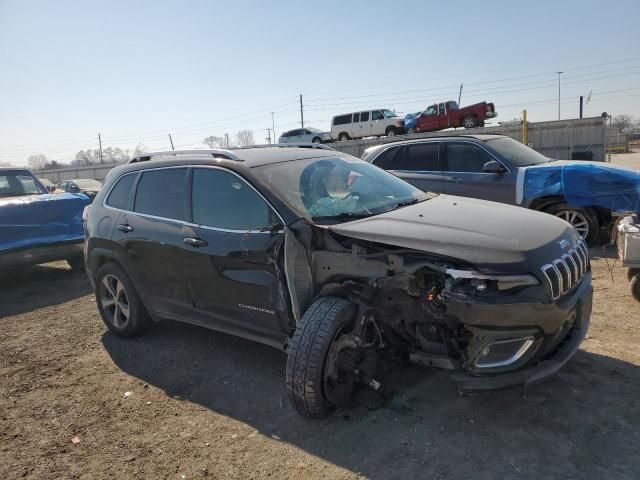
(559,139)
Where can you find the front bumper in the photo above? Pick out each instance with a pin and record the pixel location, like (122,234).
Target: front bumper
(492,114)
(555,346)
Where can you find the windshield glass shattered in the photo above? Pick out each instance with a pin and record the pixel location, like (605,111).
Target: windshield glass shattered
(332,189)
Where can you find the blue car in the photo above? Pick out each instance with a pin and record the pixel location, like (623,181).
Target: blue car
(37,226)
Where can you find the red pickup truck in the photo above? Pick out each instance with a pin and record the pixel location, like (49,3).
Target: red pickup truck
(447,114)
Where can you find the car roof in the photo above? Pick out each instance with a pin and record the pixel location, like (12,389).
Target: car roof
(483,137)
(235,159)
(13,169)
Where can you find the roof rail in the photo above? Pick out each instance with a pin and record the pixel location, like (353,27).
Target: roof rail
(319,146)
(219,152)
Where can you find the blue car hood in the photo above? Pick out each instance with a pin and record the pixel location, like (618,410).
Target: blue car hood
(40,220)
(582,184)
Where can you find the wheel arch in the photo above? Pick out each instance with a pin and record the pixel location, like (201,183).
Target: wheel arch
(543,203)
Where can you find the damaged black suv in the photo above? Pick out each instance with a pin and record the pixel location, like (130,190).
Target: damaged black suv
(337,263)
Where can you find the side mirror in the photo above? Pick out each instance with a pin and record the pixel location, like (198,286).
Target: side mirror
(493,166)
(51,188)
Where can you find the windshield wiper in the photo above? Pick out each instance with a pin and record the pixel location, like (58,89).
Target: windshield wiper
(406,203)
(341,216)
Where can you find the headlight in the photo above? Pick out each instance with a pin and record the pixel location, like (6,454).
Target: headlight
(482,281)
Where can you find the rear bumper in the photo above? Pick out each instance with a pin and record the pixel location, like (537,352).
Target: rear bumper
(41,254)
(553,350)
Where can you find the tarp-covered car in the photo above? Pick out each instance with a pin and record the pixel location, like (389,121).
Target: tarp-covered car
(588,195)
(37,226)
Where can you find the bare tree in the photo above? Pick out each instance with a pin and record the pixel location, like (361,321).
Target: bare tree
(38,161)
(139,150)
(245,137)
(215,142)
(622,122)
(87,157)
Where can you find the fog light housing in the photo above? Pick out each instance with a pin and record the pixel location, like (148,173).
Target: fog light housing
(503,353)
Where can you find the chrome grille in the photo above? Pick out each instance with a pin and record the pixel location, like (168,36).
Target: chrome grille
(564,273)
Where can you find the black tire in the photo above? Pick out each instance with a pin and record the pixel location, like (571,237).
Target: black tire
(632,272)
(470,122)
(316,140)
(121,324)
(305,372)
(635,286)
(391,132)
(581,215)
(76,263)
(343,137)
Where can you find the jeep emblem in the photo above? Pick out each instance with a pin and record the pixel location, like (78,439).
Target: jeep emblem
(564,244)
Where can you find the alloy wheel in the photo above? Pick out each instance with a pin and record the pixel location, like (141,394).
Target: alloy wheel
(114,301)
(577,220)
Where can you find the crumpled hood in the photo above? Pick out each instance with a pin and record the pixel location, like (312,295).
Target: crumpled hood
(492,236)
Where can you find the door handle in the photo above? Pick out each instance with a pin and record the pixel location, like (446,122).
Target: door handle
(125,227)
(195,242)
(454,179)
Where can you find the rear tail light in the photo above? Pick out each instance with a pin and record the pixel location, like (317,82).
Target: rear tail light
(85,213)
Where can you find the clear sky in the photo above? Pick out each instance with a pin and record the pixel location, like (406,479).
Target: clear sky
(136,70)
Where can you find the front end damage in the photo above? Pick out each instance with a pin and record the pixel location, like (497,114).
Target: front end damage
(492,330)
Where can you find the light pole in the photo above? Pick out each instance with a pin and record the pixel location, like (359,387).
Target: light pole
(273,128)
(559,73)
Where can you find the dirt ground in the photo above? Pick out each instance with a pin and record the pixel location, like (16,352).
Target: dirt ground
(182,402)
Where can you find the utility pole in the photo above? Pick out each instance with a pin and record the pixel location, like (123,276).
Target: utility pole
(460,94)
(559,73)
(171,140)
(301,113)
(226,140)
(268,139)
(273,127)
(100,143)
(581,98)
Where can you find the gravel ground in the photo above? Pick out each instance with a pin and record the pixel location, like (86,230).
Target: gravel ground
(183,403)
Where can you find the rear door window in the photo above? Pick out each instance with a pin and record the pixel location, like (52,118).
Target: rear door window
(161,193)
(356,117)
(364,116)
(421,157)
(119,195)
(222,200)
(342,119)
(466,157)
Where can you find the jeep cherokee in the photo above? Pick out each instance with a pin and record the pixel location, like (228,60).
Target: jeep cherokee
(336,262)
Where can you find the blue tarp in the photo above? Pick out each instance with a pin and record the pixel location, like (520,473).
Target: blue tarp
(585,184)
(39,220)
